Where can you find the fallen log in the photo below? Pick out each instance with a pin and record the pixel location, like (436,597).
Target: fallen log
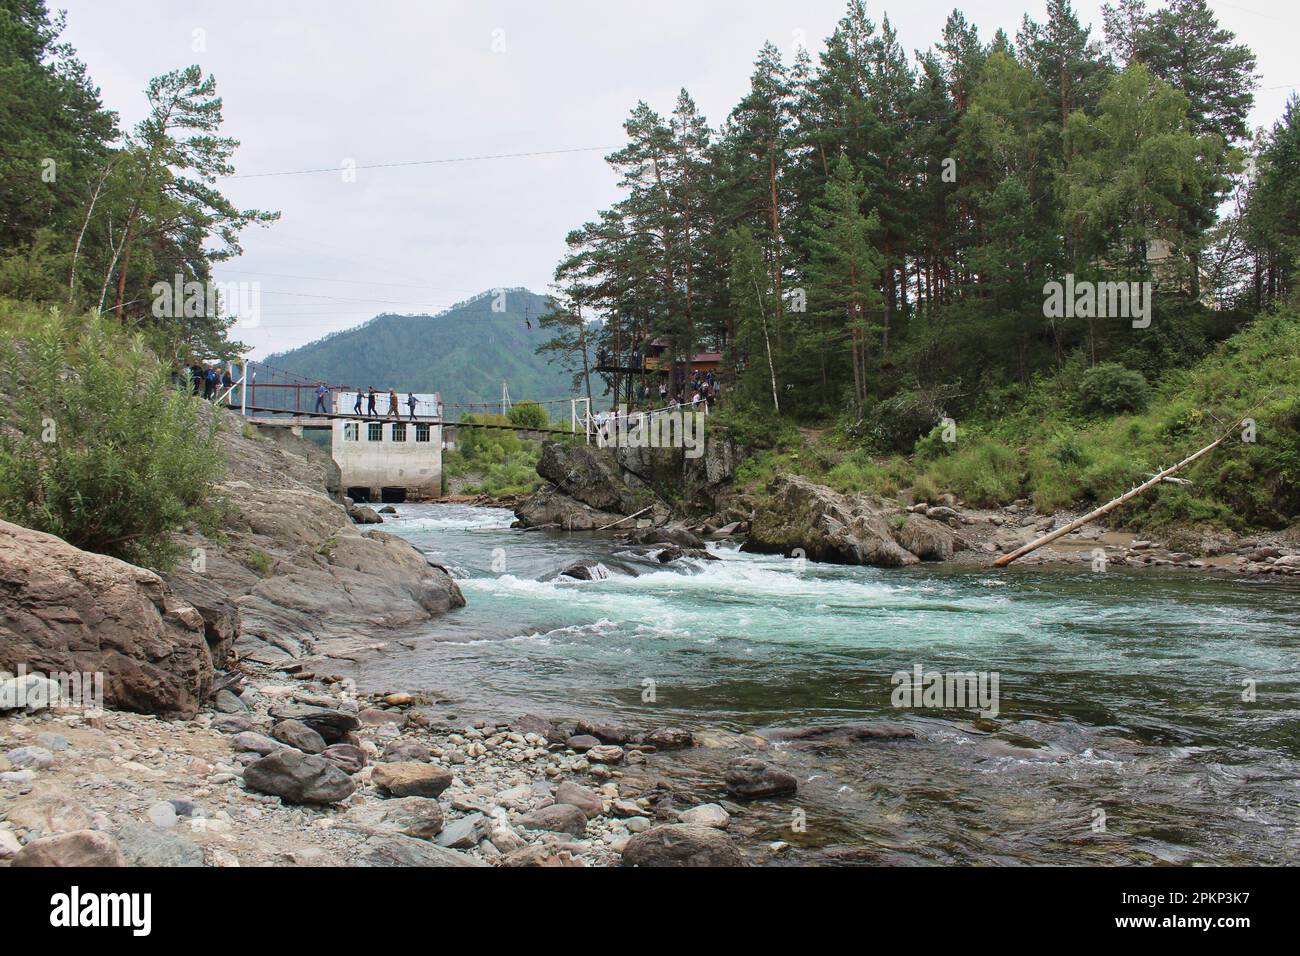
(1109,506)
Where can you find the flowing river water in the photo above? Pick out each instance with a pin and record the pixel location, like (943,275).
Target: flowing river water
(1121,736)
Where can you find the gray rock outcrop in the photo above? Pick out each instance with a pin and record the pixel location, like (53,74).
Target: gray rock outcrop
(802,516)
(292,574)
(64,610)
(298,778)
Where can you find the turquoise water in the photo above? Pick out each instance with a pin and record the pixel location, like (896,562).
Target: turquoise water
(1120,693)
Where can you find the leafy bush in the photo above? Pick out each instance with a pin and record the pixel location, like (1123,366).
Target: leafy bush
(932,446)
(899,421)
(97,445)
(754,428)
(528,414)
(1112,389)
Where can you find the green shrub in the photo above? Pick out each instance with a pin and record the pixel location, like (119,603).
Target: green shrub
(528,414)
(754,428)
(507,463)
(932,446)
(258,561)
(96,444)
(1112,389)
(899,421)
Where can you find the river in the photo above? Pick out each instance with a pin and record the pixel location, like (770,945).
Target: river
(1121,736)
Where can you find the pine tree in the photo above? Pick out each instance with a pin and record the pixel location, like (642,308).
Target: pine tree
(843,272)
(1185,46)
(1070,65)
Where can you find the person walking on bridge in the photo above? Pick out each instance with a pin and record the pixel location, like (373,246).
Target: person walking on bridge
(392,405)
(371,412)
(411,403)
(321,391)
(356,406)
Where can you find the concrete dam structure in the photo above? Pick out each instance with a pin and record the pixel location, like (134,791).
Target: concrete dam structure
(388,459)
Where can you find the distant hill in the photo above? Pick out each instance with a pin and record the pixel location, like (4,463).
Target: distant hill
(464,353)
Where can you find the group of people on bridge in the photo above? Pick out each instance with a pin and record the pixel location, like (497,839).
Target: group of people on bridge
(208,380)
(370,398)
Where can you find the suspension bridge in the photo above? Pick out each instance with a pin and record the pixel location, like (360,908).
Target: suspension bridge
(388,446)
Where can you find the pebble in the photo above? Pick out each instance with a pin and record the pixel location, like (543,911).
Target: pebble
(707,815)
(162,815)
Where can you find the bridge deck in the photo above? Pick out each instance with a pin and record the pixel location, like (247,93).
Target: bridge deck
(284,418)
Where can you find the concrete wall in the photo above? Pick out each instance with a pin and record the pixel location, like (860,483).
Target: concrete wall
(387,463)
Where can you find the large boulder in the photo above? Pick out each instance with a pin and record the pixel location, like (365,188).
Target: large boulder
(363,514)
(411,779)
(752,779)
(586,569)
(558,818)
(585,474)
(800,516)
(549,506)
(680,537)
(332,725)
(78,848)
(298,778)
(584,491)
(297,734)
(64,610)
(679,844)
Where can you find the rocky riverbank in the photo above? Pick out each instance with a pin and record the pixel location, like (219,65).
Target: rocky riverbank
(287,767)
(797,516)
(626,492)
(226,741)
(288,574)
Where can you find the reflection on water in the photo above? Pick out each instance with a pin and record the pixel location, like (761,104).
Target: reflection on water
(1120,693)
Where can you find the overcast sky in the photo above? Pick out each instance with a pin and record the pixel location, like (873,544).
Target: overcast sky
(310,85)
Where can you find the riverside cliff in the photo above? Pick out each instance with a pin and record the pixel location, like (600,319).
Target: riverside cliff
(287,576)
(588,488)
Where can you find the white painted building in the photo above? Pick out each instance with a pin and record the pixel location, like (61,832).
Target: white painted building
(382,458)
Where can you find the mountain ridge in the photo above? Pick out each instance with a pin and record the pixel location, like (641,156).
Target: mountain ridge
(463,352)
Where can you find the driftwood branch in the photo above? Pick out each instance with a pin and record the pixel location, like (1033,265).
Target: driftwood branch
(628,518)
(1109,506)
